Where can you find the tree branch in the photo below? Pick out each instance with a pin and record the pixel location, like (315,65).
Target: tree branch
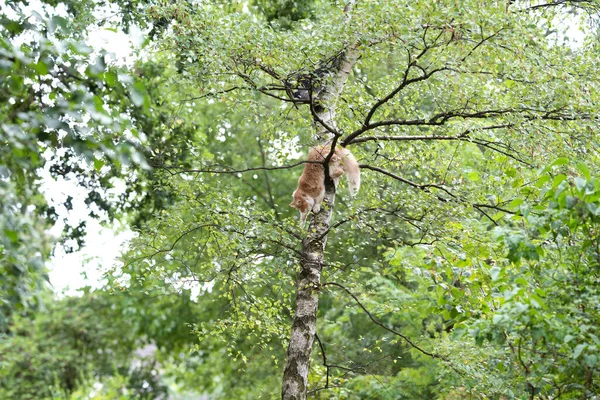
(575,3)
(237,171)
(391,330)
(426,188)
(463,137)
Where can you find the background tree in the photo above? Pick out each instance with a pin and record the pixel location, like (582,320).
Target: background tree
(63,108)
(75,342)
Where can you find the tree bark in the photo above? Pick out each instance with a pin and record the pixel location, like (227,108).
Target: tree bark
(295,376)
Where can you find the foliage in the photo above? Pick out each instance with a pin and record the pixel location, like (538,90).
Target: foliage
(467,266)
(61,106)
(229,226)
(74,343)
(420,252)
(285,12)
(545,295)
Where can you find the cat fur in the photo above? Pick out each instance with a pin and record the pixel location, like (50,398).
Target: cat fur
(311,184)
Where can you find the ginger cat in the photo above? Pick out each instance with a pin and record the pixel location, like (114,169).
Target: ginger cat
(311,184)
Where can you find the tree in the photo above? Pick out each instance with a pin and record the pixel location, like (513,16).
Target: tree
(543,290)
(66,108)
(75,342)
(450,108)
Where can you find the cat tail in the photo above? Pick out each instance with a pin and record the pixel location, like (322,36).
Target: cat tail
(350,165)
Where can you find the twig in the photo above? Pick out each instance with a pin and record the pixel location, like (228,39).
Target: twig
(238,171)
(391,330)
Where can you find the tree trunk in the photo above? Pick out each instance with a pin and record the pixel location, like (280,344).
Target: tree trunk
(295,376)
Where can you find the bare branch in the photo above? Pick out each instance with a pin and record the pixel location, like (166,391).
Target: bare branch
(405,82)
(318,118)
(212,94)
(482,41)
(436,120)
(170,248)
(463,137)
(426,75)
(410,183)
(391,330)
(226,170)
(558,3)
(453,197)
(439,119)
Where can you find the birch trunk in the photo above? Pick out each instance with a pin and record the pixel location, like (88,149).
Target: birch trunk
(295,376)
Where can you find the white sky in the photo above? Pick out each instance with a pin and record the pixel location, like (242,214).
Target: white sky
(69,272)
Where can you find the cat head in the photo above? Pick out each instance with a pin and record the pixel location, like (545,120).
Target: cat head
(299,202)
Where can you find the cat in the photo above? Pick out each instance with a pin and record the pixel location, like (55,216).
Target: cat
(311,184)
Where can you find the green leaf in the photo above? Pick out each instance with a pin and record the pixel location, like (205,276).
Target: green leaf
(558,179)
(571,201)
(473,176)
(15,83)
(81,48)
(578,350)
(98,67)
(37,263)
(110,78)
(568,338)
(136,97)
(11,235)
(137,93)
(98,164)
(57,21)
(542,181)
(580,183)
(584,170)
(560,161)
(515,203)
(495,273)
(41,68)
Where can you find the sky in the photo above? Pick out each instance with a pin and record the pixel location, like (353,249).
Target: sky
(69,272)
